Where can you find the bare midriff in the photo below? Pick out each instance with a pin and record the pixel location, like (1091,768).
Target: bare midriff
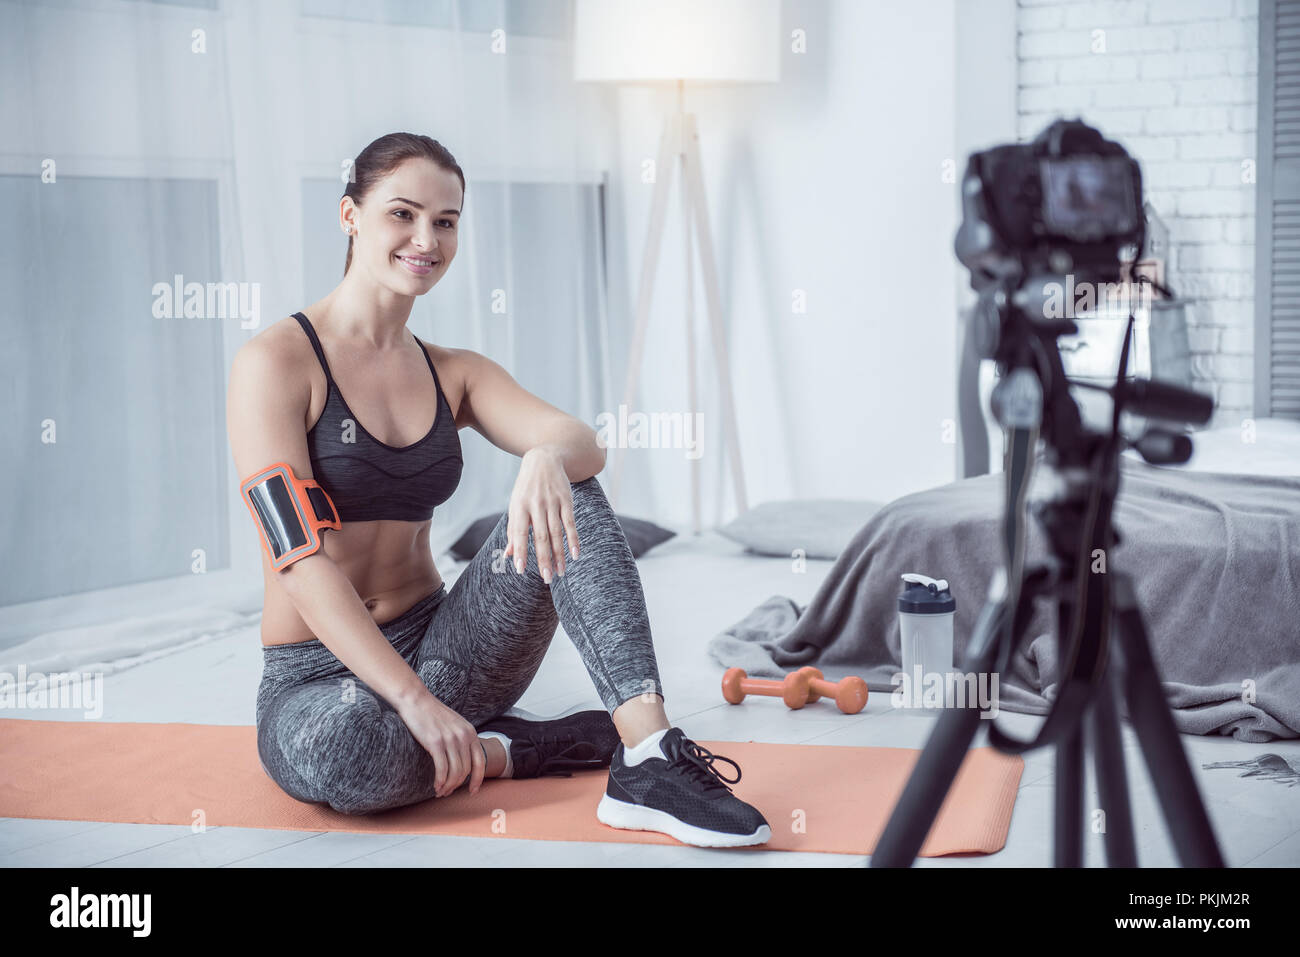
(388,562)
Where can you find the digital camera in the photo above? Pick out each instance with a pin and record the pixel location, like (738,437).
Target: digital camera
(1068,202)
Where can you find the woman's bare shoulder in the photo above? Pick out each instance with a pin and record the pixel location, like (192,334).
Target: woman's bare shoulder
(455,369)
(282,343)
(449,356)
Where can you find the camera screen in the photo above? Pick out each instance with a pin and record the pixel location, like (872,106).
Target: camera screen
(1087,198)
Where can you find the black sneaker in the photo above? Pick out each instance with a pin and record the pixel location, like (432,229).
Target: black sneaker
(682,795)
(576,741)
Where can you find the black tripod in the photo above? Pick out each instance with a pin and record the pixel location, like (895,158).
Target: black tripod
(1076,516)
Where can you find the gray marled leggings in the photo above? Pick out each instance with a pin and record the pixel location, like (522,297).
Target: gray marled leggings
(324,736)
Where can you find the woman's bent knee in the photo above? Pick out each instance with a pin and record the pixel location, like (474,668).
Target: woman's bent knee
(588,490)
(590,504)
(356,769)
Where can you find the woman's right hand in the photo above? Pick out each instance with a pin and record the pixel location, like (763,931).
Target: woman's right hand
(450,740)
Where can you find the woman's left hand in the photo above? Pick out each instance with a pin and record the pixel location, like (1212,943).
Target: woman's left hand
(543,499)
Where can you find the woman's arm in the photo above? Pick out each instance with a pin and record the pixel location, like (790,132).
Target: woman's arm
(515,420)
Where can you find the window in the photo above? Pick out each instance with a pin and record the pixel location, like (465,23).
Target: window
(135,477)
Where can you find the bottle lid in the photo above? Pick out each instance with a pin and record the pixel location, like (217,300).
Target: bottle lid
(925,596)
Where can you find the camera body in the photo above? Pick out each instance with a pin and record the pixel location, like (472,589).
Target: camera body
(1063,209)
(1068,202)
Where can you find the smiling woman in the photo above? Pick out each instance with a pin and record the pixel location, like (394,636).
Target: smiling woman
(352,597)
(381,158)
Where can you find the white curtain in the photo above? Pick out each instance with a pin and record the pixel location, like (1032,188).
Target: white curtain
(154,145)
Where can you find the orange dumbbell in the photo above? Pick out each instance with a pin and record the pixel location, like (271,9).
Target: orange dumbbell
(797,689)
(793,690)
(850,694)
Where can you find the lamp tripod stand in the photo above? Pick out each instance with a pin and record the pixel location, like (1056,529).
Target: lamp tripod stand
(680,142)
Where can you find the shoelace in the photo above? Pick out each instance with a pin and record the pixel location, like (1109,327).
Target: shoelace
(558,765)
(696,764)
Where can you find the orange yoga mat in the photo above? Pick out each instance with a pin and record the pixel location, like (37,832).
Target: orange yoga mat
(816,797)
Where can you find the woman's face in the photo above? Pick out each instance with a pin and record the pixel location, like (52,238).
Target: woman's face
(405,233)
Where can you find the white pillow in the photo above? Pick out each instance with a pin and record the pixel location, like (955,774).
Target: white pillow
(822,528)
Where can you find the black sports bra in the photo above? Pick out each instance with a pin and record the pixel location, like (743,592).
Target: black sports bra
(369,480)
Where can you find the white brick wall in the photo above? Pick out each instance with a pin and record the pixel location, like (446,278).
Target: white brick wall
(1175,81)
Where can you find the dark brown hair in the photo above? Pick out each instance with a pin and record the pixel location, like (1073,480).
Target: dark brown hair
(387,153)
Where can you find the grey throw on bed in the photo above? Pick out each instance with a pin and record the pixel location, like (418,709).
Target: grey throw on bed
(1215,559)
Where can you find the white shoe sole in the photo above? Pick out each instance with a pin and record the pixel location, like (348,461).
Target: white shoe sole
(637,817)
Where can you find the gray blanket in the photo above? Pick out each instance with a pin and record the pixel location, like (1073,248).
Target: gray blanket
(1215,559)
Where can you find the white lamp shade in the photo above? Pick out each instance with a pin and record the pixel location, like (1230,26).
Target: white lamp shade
(652,41)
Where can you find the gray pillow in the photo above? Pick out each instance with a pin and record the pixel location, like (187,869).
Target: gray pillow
(641,536)
(822,527)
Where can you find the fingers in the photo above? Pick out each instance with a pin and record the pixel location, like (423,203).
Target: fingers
(517,535)
(542,542)
(479,765)
(448,774)
(439,754)
(468,763)
(461,761)
(458,758)
(570,526)
(555,528)
(550,519)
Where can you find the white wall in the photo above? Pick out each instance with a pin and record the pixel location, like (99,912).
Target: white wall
(986,69)
(1176,82)
(829,182)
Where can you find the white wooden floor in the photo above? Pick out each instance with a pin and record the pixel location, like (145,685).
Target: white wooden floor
(1257,820)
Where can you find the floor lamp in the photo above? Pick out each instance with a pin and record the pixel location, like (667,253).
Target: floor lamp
(698,41)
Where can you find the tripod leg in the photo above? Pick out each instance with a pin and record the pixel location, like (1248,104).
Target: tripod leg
(1069,769)
(1069,800)
(1180,799)
(921,799)
(1112,783)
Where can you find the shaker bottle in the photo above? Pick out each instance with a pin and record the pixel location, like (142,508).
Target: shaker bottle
(925,616)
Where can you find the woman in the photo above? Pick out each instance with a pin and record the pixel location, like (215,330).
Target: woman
(380,687)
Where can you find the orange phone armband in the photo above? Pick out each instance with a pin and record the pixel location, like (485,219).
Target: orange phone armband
(291,512)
